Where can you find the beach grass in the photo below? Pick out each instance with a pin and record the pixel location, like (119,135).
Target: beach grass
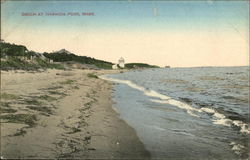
(5,104)
(76,87)
(57,93)
(47,98)
(45,110)
(28,119)
(20,132)
(8,96)
(92,75)
(54,87)
(74,130)
(6,108)
(69,81)
(33,102)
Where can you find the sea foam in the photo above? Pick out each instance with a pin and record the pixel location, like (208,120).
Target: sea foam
(217,118)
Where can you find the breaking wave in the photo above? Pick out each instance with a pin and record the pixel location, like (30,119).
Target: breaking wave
(217,118)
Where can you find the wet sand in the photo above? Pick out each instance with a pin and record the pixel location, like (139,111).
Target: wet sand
(63,114)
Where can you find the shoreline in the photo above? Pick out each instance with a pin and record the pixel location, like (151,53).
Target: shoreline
(180,122)
(63,114)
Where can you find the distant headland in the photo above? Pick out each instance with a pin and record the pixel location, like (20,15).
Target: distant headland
(15,56)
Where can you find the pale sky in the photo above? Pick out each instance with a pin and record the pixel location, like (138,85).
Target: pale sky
(179,34)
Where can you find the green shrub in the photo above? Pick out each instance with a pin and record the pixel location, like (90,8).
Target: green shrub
(91,75)
(16,63)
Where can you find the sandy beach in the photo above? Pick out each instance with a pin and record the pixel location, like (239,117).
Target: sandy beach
(63,114)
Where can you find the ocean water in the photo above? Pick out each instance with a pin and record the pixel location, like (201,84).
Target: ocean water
(187,113)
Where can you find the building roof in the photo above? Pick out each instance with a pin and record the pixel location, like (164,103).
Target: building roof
(121,59)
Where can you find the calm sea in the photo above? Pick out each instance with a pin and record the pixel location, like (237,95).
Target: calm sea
(187,113)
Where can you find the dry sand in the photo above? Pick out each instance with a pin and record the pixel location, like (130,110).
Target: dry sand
(63,114)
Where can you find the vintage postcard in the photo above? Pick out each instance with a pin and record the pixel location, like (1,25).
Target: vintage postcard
(128,79)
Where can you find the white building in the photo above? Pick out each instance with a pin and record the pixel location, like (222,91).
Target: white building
(121,62)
